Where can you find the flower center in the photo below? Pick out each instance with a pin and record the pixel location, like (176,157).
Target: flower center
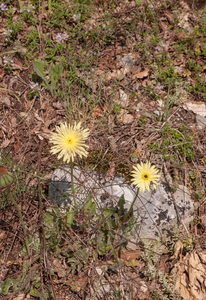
(69,141)
(145,176)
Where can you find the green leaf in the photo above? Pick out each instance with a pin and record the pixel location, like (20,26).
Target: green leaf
(103,248)
(4,288)
(39,68)
(90,206)
(150,261)
(121,206)
(108,212)
(49,219)
(33,292)
(55,73)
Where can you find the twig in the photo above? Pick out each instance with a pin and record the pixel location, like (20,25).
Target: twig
(47,266)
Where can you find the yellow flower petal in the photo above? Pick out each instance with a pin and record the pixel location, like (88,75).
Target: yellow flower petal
(143,175)
(69,141)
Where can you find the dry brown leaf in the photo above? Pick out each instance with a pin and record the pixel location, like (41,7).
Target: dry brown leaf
(74,286)
(117,74)
(111,172)
(6,101)
(130,255)
(16,145)
(112,142)
(18,66)
(198,108)
(178,249)
(97,112)
(190,276)
(82,282)
(141,74)
(24,117)
(13,121)
(125,117)
(20,297)
(57,105)
(17,262)
(38,117)
(132,263)
(5,143)
(59,268)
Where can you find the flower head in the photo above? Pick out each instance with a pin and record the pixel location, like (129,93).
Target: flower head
(6,177)
(60,37)
(69,141)
(158,48)
(143,175)
(3,7)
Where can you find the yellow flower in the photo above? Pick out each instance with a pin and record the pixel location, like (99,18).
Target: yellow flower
(69,141)
(143,175)
(6,177)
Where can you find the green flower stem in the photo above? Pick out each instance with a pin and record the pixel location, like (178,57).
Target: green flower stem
(21,218)
(50,5)
(131,207)
(20,6)
(72,182)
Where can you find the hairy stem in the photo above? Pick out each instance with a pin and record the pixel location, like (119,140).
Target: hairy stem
(21,219)
(127,216)
(72,182)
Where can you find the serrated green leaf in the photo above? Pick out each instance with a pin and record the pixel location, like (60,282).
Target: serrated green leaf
(39,69)
(49,219)
(33,292)
(4,288)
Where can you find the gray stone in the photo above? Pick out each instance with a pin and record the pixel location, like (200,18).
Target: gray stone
(154,211)
(127,62)
(201,122)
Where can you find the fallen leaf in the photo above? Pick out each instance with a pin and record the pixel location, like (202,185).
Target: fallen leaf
(5,143)
(123,99)
(178,247)
(141,74)
(16,145)
(130,255)
(125,117)
(190,276)
(187,73)
(132,263)
(74,286)
(16,66)
(24,117)
(59,268)
(6,101)
(198,108)
(13,121)
(112,142)
(117,74)
(38,117)
(20,297)
(17,262)
(111,172)
(82,282)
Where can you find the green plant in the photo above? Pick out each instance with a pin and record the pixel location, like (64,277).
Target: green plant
(55,72)
(6,179)
(117,295)
(174,142)
(115,225)
(32,41)
(27,15)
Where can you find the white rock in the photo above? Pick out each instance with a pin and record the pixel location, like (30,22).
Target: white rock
(154,211)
